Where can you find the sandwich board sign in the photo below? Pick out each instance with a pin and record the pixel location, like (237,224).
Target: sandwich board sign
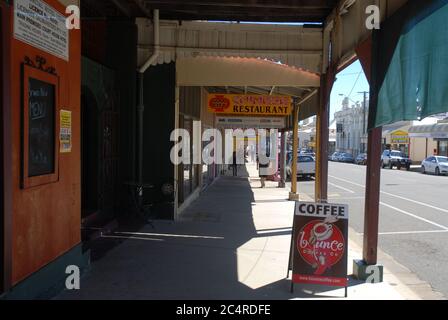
(319,247)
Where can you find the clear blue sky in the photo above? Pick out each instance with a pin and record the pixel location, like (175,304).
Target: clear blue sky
(351,79)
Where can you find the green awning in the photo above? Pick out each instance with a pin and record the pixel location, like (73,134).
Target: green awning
(413,83)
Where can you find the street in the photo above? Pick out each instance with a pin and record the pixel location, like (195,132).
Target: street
(413,216)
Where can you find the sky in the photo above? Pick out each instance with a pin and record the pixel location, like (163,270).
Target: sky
(350,82)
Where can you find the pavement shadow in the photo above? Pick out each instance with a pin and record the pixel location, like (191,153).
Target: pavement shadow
(192,259)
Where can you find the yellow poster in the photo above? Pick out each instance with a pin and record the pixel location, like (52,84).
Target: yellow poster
(260,105)
(66,131)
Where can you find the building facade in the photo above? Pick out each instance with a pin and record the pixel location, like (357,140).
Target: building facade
(418,139)
(351,126)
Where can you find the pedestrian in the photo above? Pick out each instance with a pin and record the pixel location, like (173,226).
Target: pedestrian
(263,174)
(235,165)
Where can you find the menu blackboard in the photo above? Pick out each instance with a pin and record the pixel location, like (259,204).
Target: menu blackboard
(41,128)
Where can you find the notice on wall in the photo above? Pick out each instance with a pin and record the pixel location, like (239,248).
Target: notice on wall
(261,105)
(41,26)
(66,131)
(320,244)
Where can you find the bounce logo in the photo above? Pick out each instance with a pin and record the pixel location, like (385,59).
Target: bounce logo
(321,245)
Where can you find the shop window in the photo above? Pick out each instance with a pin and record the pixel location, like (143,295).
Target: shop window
(443,148)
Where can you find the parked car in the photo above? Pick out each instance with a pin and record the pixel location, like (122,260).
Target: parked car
(437,165)
(311,154)
(393,158)
(335,156)
(346,158)
(306,167)
(361,159)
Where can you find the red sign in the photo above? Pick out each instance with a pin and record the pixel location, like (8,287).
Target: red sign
(255,105)
(320,244)
(219,103)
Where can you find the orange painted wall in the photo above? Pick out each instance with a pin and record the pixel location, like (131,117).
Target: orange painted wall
(46,219)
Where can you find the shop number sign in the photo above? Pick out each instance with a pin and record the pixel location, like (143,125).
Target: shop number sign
(319,245)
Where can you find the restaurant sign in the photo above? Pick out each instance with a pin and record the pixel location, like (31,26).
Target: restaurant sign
(259,105)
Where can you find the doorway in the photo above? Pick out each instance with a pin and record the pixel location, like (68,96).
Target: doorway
(89,154)
(99,147)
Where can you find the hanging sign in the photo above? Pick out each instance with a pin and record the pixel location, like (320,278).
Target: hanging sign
(66,131)
(319,248)
(261,105)
(251,122)
(38,24)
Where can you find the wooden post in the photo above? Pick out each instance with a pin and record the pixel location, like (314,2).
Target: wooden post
(367,52)
(293,196)
(321,192)
(371,215)
(282,182)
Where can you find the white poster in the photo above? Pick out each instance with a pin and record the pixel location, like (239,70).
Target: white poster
(41,26)
(251,122)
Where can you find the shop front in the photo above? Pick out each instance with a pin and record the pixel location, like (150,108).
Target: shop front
(41,185)
(399,140)
(189,174)
(436,135)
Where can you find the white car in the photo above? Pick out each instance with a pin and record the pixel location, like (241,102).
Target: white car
(306,166)
(437,165)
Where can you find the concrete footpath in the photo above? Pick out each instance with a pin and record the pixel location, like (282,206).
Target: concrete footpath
(232,243)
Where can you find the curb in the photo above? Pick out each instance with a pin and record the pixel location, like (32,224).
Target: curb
(404,281)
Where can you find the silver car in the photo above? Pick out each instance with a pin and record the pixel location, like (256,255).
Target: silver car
(306,167)
(436,164)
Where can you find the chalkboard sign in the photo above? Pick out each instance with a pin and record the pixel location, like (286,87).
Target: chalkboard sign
(40,125)
(41,128)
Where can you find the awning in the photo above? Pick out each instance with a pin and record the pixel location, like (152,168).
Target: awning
(435,131)
(241,72)
(402,125)
(411,64)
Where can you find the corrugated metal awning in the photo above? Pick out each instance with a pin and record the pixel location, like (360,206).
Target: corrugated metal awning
(435,131)
(294,46)
(216,71)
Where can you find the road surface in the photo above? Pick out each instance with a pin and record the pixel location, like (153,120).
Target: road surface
(413,216)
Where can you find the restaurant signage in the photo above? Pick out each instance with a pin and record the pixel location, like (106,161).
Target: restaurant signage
(260,105)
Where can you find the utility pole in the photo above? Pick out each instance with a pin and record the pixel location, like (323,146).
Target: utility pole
(364,112)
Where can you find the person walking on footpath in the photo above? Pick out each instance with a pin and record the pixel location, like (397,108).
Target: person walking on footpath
(235,165)
(262,171)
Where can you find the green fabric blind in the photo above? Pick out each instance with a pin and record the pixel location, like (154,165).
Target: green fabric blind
(416,82)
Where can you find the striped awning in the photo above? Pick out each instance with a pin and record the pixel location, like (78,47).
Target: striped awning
(435,131)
